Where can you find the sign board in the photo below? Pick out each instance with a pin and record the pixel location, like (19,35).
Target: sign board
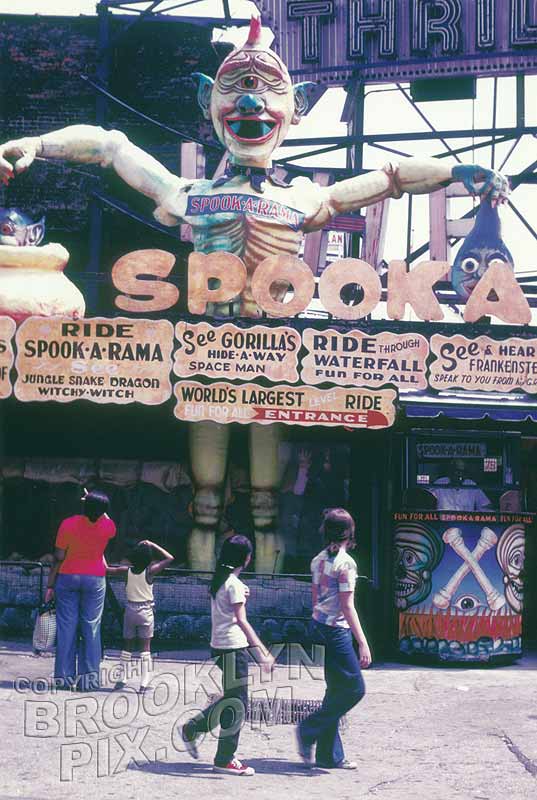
(359,359)
(102,360)
(304,405)
(402,40)
(451,450)
(484,363)
(303,372)
(7,331)
(204,349)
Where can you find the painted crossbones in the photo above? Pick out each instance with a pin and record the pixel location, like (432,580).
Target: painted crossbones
(488,539)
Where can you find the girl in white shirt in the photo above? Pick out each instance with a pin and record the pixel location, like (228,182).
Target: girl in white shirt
(147,559)
(231,633)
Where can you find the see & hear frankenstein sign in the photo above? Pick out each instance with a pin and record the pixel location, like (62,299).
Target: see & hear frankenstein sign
(393,40)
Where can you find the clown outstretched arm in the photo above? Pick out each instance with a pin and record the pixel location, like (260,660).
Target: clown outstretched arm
(89,144)
(410,175)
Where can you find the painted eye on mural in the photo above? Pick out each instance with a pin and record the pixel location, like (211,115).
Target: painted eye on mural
(470,265)
(409,558)
(517,561)
(468,603)
(249,82)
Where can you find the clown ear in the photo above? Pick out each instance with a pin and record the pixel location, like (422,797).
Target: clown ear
(302,102)
(205,87)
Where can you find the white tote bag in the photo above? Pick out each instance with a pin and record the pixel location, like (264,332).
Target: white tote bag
(44,638)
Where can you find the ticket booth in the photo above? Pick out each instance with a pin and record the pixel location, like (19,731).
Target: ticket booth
(459,538)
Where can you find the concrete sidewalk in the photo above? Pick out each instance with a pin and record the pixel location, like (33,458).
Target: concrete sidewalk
(437,732)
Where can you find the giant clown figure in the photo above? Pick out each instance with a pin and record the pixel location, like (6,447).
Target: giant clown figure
(251,104)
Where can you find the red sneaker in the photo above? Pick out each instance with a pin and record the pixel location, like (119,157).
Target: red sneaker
(235,767)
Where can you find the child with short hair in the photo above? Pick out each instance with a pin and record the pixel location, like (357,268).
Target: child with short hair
(139,618)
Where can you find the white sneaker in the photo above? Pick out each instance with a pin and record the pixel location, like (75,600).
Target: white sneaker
(235,767)
(189,740)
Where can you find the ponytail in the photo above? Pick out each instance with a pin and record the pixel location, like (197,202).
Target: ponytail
(234,553)
(337,528)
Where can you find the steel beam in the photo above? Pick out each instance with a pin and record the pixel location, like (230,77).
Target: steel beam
(408,137)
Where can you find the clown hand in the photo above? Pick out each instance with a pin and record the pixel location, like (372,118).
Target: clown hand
(17,155)
(487,183)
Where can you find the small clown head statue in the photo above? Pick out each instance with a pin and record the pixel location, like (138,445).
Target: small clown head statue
(252,101)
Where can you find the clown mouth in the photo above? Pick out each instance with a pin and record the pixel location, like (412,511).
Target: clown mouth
(250,130)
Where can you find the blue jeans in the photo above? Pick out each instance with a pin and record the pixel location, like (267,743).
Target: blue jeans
(234,666)
(79,608)
(344,689)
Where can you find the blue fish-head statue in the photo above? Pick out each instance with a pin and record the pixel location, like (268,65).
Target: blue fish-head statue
(482,246)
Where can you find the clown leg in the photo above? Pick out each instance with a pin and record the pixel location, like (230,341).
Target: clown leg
(208,457)
(265,478)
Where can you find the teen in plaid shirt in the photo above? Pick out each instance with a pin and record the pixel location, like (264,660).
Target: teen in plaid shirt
(336,623)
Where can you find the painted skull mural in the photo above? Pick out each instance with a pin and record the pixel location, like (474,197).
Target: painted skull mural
(469,576)
(418,551)
(510,555)
(250,213)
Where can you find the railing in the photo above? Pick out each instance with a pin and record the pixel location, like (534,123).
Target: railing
(21,591)
(279,606)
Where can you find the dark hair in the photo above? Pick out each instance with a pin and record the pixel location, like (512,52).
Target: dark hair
(234,553)
(140,557)
(337,527)
(96,503)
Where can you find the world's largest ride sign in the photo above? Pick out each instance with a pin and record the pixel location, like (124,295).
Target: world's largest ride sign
(397,40)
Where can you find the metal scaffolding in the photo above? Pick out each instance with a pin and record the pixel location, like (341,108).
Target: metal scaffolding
(136,11)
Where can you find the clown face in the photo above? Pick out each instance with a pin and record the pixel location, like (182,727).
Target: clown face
(252,102)
(418,551)
(252,105)
(510,555)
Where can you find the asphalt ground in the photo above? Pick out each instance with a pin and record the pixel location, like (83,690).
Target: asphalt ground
(463,733)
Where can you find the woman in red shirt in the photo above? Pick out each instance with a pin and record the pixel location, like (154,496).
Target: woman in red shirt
(77,579)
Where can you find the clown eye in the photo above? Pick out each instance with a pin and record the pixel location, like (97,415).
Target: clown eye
(249,82)
(470,265)
(467,603)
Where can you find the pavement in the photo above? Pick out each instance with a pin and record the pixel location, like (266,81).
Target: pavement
(463,733)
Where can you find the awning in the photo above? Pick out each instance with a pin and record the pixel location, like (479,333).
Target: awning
(460,412)
(458,405)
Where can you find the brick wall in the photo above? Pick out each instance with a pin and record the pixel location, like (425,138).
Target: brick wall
(42,61)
